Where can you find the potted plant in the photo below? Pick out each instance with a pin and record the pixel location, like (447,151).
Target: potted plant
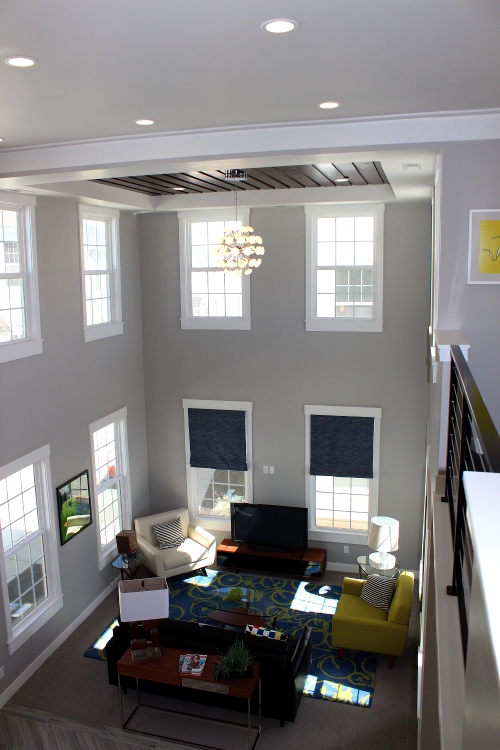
(236,662)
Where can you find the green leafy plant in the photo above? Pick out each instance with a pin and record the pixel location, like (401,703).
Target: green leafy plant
(68,508)
(237,659)
(234,595)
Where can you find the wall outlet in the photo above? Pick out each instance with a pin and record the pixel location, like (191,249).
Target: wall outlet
(271,469)
(265,469)
(346,548)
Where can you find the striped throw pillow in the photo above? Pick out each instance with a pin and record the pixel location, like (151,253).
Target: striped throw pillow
(169,534)
(378,591)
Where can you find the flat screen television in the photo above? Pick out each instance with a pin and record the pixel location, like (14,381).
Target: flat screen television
(269,527)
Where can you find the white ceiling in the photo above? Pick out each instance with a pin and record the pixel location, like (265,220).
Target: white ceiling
(195,64)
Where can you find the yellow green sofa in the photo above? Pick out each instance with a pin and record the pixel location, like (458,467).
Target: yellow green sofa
(359,626)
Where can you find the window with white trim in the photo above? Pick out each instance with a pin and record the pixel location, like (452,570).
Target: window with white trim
(111,482)
(211,490)
(29,566)
(19,306)
(344,271)
(210,299)
(340,507)
(100,269)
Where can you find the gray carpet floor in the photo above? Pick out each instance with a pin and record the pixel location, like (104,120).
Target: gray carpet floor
(70,685)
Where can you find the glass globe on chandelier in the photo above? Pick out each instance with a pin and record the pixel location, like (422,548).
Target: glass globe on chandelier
(235,249)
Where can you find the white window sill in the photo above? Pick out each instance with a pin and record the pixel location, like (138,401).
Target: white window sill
(336,535)
(214,324)
(217,524)
(29,627)
(329,324)
(18,349)
(102,331)
(107,555)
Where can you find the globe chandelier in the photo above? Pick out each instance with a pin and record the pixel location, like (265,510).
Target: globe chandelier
(235,248)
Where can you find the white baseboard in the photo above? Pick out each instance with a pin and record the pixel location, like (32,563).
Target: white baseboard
(342,567)
(346,568)
(19,681)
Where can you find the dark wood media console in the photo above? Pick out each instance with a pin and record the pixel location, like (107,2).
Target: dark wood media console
(305,563)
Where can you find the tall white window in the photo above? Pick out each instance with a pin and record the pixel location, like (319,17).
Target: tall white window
(19,307)
(211,490)
(100,264)
(340,507)
(344,247)
(111,481)
(29,565)
(209,297)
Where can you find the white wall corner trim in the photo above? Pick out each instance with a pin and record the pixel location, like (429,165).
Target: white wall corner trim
(19,681)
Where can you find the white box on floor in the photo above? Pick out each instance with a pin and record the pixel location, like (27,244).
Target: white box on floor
(145,599)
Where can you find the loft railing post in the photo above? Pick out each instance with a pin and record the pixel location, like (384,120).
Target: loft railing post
(473,445)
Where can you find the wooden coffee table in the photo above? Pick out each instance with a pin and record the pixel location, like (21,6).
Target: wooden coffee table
(238,617)
(165,669)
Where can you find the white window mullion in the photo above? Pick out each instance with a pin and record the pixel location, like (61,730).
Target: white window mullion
(115,490)
(332,533)
(214,521)
(29,568)
(229,320)
(337,252)
(102,316)
(19,312)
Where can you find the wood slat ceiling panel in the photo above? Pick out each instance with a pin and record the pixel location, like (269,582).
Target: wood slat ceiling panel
(369,172)
(349,170)
(265,178)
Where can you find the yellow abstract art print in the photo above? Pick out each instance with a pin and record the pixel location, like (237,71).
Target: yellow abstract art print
(484,246)
(489,247)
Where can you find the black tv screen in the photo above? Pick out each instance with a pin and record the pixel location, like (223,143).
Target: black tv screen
(269,526)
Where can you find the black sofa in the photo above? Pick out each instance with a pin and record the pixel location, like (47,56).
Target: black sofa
(284,665)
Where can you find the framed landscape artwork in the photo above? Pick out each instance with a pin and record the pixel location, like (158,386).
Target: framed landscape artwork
(73,502)
(484,246)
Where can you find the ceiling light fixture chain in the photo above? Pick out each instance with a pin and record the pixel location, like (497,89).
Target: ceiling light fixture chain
(233,251)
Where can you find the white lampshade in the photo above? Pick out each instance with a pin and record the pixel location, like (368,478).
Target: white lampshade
(144,599)
(384,538)
(384,534)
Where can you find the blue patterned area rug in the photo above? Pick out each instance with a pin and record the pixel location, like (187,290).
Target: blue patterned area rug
(98,649)
(295,604)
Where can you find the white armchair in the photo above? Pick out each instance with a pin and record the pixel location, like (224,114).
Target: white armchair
(197,551)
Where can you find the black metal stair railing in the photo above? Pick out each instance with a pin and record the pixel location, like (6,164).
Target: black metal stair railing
(473,445)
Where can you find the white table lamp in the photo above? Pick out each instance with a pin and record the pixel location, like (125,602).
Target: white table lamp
(384,538)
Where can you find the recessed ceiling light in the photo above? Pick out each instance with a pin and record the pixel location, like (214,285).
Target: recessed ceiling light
(144,122)
(2,139)
(329,105)
(412,167)
(179,188)
(18,61)
(341,179)
(279,25)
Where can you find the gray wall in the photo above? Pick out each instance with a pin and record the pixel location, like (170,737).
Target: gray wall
(52,398)
(471,179)
(280,367)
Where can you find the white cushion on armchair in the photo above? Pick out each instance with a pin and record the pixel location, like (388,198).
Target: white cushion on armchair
(197,551)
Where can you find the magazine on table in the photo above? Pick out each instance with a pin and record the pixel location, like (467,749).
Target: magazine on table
(192,663)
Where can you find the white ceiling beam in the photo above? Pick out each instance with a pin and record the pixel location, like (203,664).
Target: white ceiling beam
(291,197)
(94,193)
(92,159)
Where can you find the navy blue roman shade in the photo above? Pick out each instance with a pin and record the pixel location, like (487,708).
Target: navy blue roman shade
(342,446)
(217,439)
